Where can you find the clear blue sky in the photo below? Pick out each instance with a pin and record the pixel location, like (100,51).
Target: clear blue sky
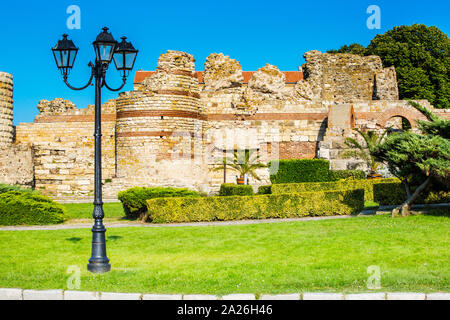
(253,32)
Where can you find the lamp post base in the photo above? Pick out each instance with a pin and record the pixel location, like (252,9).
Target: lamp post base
(99,267)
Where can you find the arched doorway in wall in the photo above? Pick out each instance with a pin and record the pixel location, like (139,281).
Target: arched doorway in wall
(398,124)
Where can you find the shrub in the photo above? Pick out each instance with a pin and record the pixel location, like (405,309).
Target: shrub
(265,189)
(305,170)
(367,185)
(18,208)
(385,193)
(169,210)
(336,175)
(134,199)
(231,189)
(7,187)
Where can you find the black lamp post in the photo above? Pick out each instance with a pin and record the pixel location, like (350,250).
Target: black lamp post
(124,56)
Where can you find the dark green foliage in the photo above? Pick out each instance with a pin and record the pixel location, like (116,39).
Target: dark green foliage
(421,56)
(305,170)
(231,189)
(7,187)
(409,154)
(173,210)
(28,208)
(354,48)
(310,170)
(388,194)
(336,175)
(134,199)
(436,126)
(265,189)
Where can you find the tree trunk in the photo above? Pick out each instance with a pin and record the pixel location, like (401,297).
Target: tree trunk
(408,191)
(406,206)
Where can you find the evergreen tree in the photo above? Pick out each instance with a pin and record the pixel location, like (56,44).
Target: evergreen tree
(418,156)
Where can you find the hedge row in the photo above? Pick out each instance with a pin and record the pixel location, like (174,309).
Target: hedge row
(265,189)
(383,191)
(386,194)
(336,175)
(367,185)
(173,210)
(305,170)
(134,199)
(29,208)
(231,189)
(309,170)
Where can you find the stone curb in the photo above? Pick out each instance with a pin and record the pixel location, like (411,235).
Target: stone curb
(20,294)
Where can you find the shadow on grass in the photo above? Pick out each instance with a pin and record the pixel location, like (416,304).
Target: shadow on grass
(441,212)
(74,239)
(113,238)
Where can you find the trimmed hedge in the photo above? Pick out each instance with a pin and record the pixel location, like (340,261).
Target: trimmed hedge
(367,185)
(29,208)
(173,210)
(310,170)
(265,189)
(388,191)
(304,170)
(385,194)
(231,189)
(134,199)
(336,175)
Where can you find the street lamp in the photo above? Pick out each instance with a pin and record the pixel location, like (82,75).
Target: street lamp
(124,56)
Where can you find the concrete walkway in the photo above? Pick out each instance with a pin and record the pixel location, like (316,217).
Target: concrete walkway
(19,294)
(159,225)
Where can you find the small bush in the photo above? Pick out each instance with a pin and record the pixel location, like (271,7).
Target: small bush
(28,208)
(231,189)
(304,170)
(337,175)
(134,199)
(171,210)
(7,187)
(265,189)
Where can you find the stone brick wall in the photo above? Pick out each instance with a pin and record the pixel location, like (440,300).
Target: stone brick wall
(346,77)
(172,130)
(63,145)
(6,109)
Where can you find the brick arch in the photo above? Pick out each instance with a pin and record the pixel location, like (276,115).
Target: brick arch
(409,113)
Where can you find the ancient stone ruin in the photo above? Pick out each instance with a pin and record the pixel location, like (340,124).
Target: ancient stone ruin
(178,124)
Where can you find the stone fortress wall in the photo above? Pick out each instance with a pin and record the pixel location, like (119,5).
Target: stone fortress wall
(177,123)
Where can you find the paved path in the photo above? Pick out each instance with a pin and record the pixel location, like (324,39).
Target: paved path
(19,294)
(157,225)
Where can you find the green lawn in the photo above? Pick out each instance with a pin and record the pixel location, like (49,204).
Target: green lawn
(326,255)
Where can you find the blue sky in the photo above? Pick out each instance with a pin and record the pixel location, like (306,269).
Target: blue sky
(253,32)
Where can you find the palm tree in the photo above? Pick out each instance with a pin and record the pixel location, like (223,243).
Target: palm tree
(244,163)
(371,139)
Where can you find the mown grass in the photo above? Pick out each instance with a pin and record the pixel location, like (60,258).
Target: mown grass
(323,255)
